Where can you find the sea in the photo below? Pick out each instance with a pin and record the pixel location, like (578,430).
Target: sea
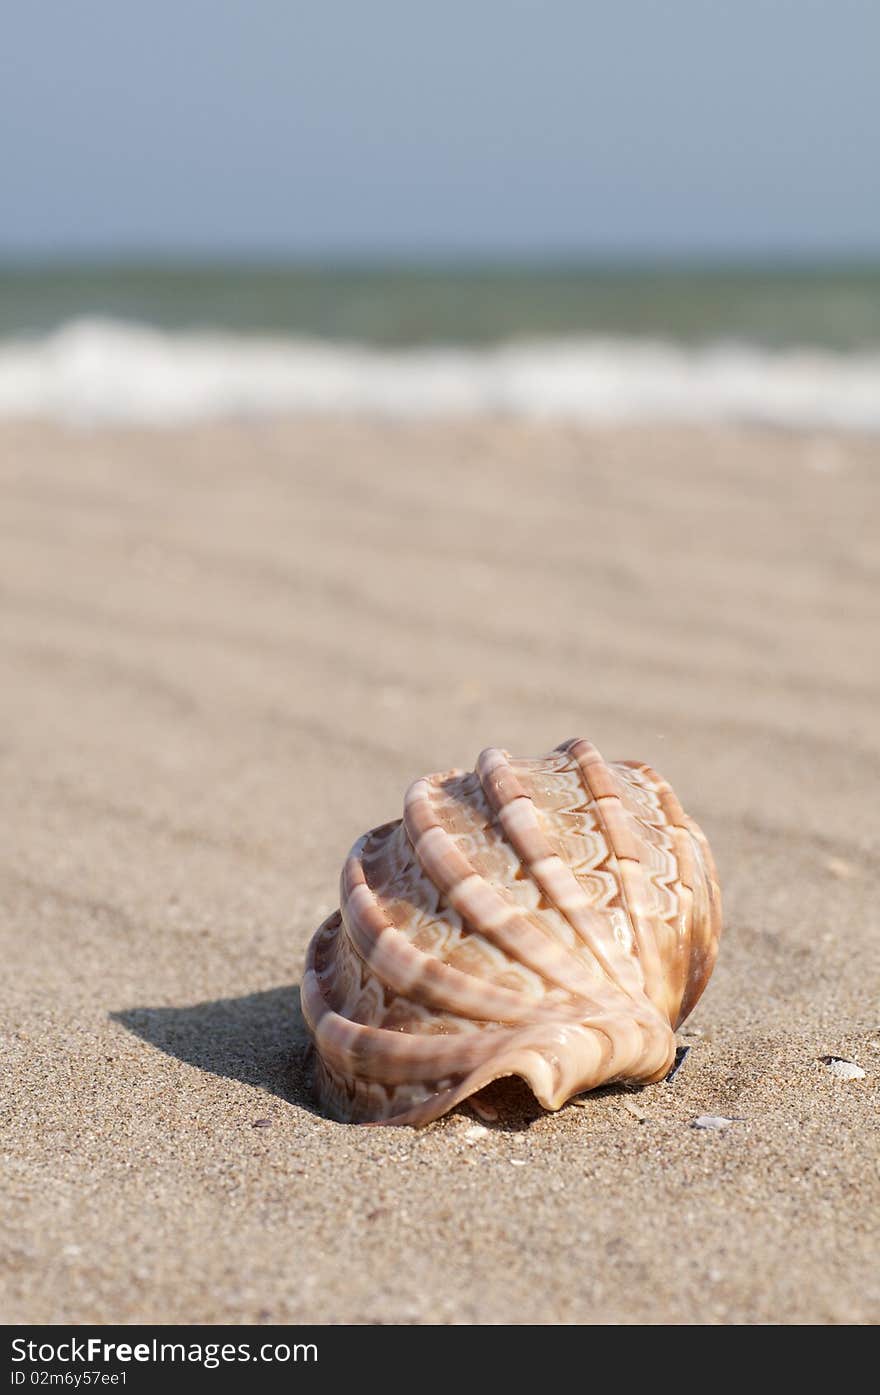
(157,344)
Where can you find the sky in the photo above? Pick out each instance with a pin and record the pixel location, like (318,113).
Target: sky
(469,127)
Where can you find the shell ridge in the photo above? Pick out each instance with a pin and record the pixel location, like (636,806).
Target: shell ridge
(485,909)
(632,881)
(701,865)
(409,971)
(672,881)
(555,880)
(390,1056)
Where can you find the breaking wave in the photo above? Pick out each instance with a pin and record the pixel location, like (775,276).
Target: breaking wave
(102,371)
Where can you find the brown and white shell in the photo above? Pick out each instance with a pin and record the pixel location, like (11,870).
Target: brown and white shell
(554,919)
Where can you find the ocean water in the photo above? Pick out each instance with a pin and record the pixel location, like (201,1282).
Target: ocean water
(797,347)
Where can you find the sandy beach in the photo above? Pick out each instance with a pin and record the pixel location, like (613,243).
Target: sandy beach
(225,651)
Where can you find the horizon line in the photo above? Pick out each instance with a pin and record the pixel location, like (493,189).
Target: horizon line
(437,260)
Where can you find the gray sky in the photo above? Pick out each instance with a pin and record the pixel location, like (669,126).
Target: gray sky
(455,126)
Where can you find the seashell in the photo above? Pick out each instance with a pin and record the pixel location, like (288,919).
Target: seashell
(842,1067)
(554,919)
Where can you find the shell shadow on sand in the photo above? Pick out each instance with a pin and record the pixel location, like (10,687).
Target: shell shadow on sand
(259,1039)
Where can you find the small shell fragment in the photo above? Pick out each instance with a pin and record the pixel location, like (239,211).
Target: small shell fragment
(475,1132)
(840,868)
(634,1110)
(483,1110)
(714,1121)
(842,1068)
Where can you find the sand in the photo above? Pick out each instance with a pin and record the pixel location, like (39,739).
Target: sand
(225,652)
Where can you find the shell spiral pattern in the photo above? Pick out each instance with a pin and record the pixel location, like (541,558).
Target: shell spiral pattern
(554,919)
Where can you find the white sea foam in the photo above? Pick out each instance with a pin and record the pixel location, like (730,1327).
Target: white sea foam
(95,371)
